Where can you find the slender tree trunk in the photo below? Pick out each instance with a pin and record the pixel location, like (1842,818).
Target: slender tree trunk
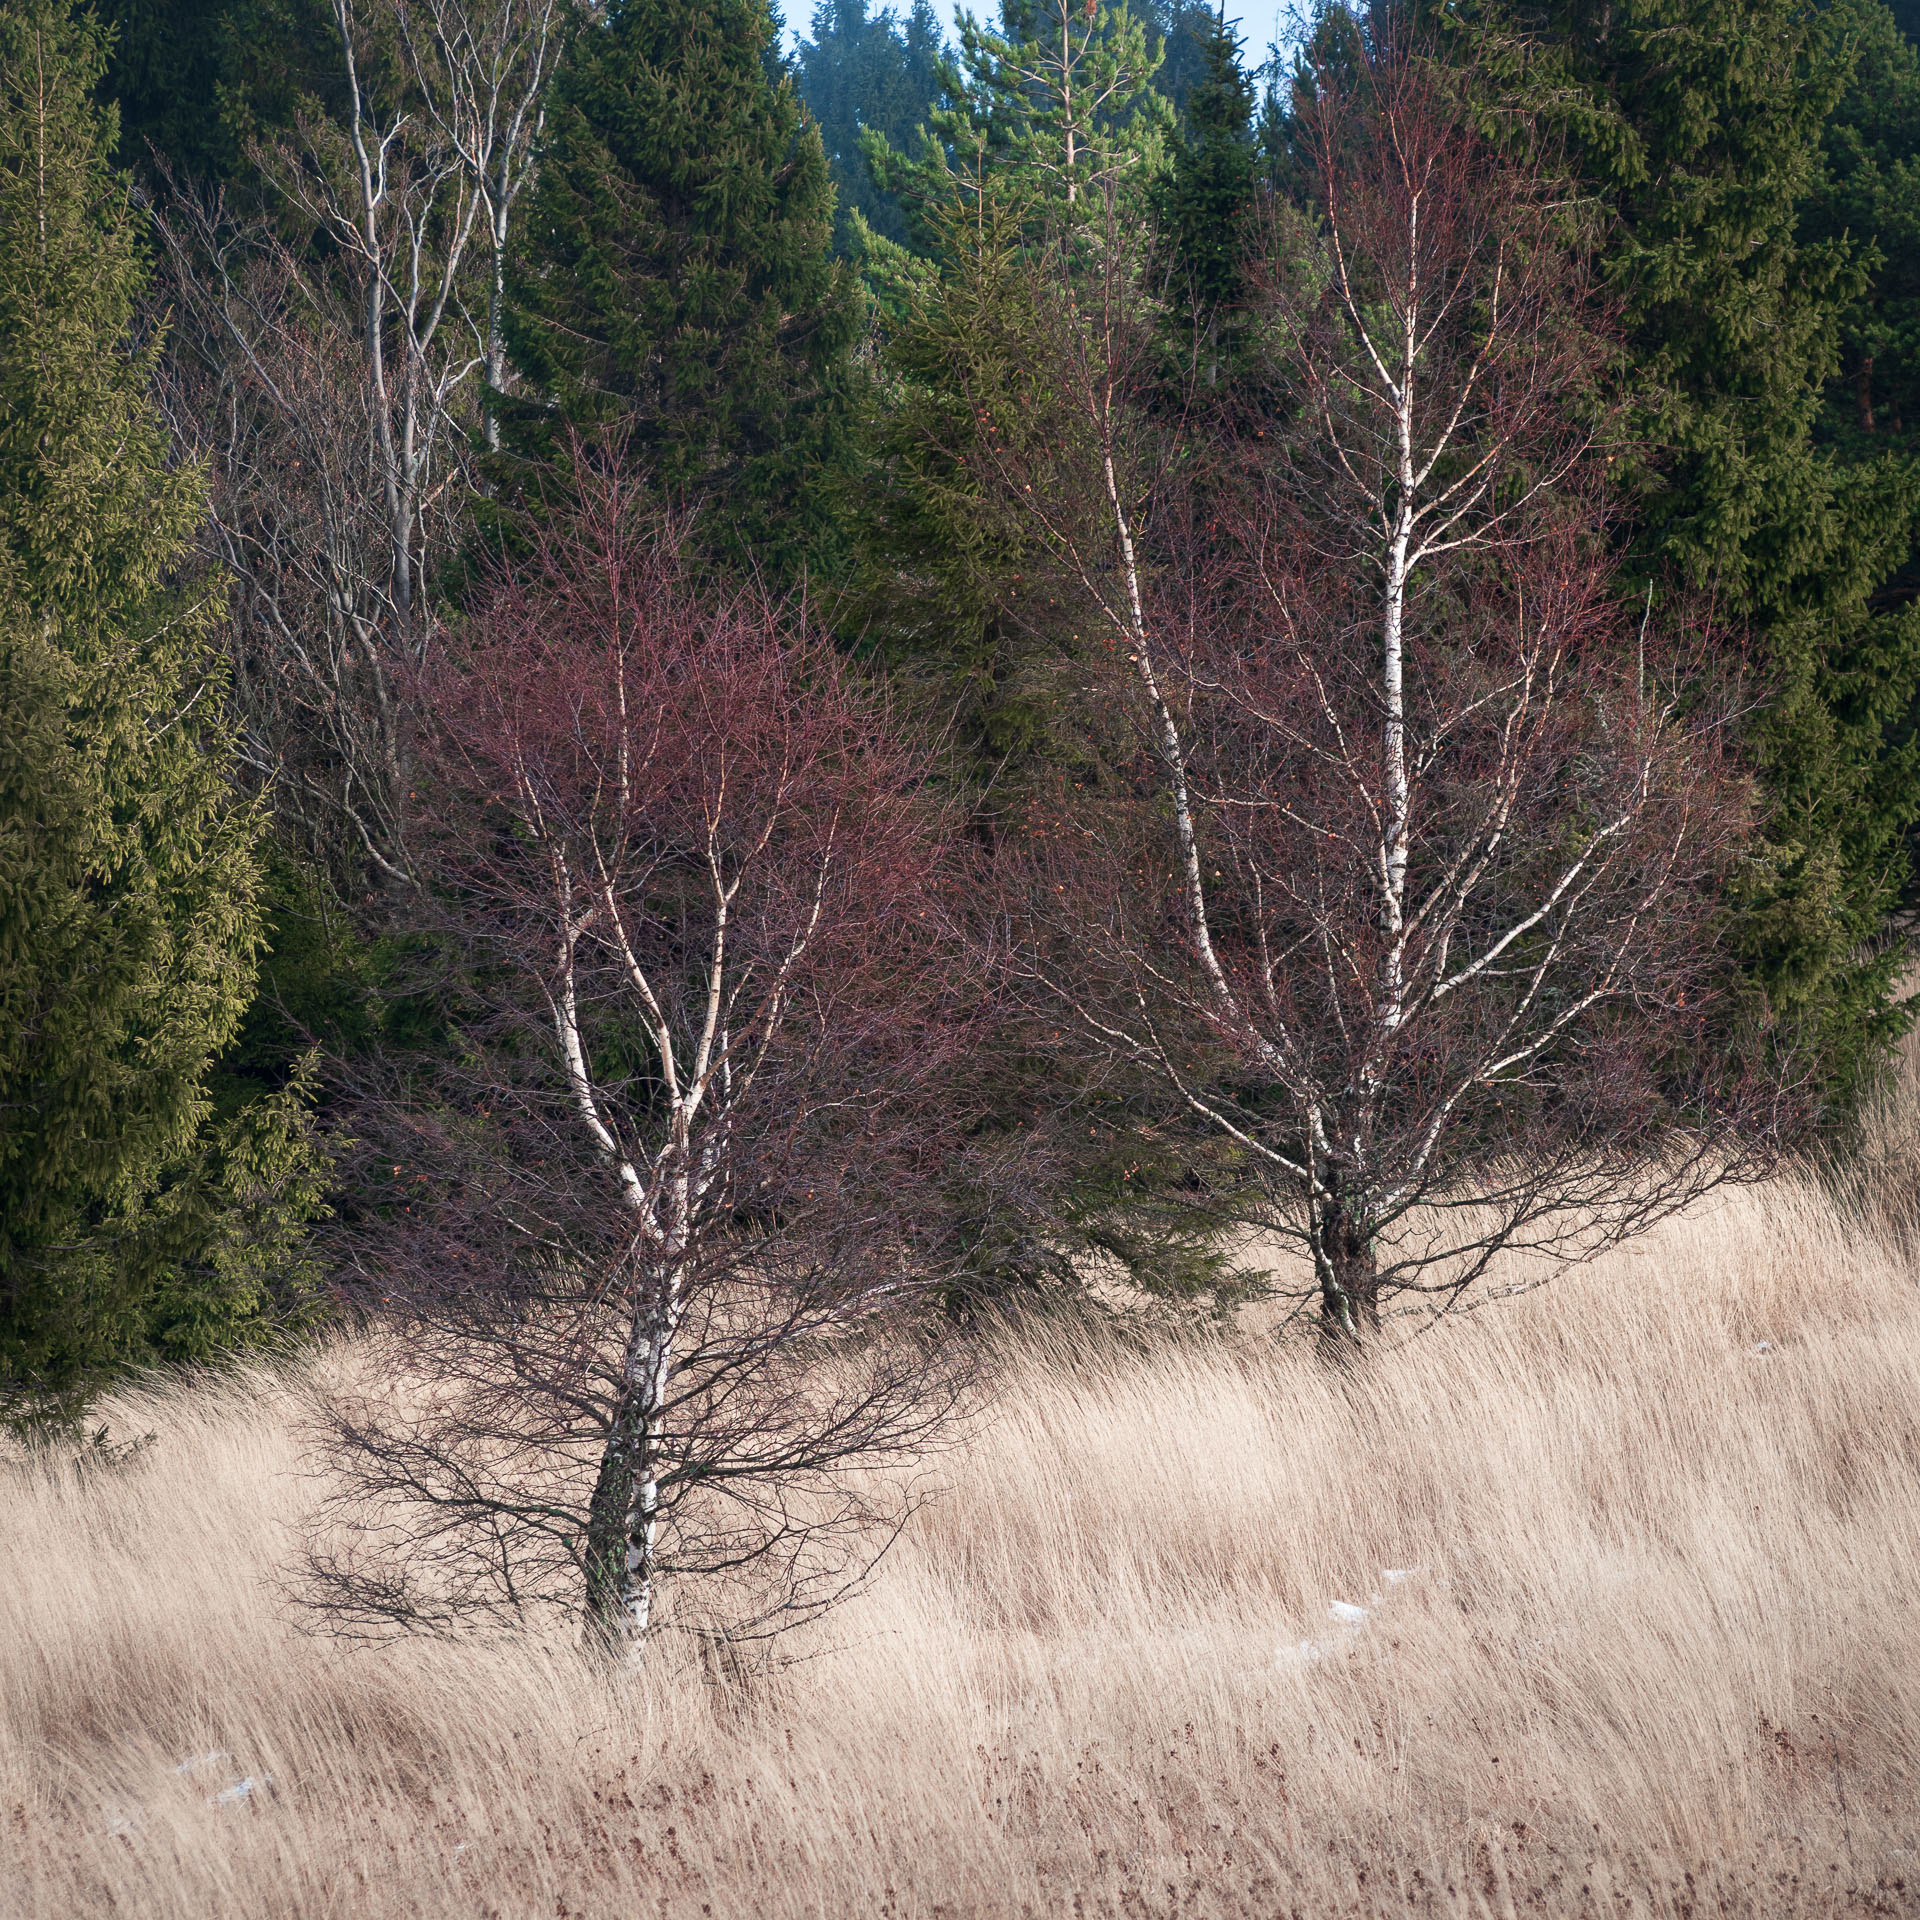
(496,327)
(404,493)
(1066,92)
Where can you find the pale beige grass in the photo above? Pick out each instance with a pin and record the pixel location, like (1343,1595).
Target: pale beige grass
(1661,1653)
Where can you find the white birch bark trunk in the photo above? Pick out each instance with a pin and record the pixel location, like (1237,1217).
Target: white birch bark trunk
(496,312)
(649,1374)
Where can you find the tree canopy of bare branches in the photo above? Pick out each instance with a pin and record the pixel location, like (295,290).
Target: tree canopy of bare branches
(1411,908)
(655,1236)
(329,358)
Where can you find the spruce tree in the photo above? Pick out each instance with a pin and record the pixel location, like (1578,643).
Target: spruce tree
(864,69)
(1699,124)
(677,290)
(1042,161)
(1185,30)
(132,1227)
(1203,203)
(1868,193)
(1041,126)
(196,81)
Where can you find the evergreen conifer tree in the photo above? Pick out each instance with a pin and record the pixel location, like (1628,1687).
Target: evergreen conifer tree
(1042,160)
(677,288)
(196,80)
(1204,199)
(1185,30)
(1042,124)
(1868,193)
(1700,124)
(864,69)
(1032,116)
(132,1226)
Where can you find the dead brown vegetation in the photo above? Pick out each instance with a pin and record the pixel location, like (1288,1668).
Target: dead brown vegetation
(1658,1653)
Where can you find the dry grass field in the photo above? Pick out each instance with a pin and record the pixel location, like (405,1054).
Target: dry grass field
(1654,1647)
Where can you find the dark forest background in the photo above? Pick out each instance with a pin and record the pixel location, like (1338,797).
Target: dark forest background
(749,271)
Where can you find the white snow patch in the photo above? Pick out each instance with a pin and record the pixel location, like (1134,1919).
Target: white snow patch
(1343,1613)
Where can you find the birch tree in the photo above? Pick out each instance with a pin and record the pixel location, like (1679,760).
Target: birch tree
(333,387)
(643,1307)
(482,77)
(1415,916)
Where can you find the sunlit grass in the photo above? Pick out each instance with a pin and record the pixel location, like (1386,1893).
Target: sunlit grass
(1659,1526)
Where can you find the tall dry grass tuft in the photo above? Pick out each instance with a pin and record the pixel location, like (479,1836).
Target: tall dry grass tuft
(1876,1176)
(1655,1649)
